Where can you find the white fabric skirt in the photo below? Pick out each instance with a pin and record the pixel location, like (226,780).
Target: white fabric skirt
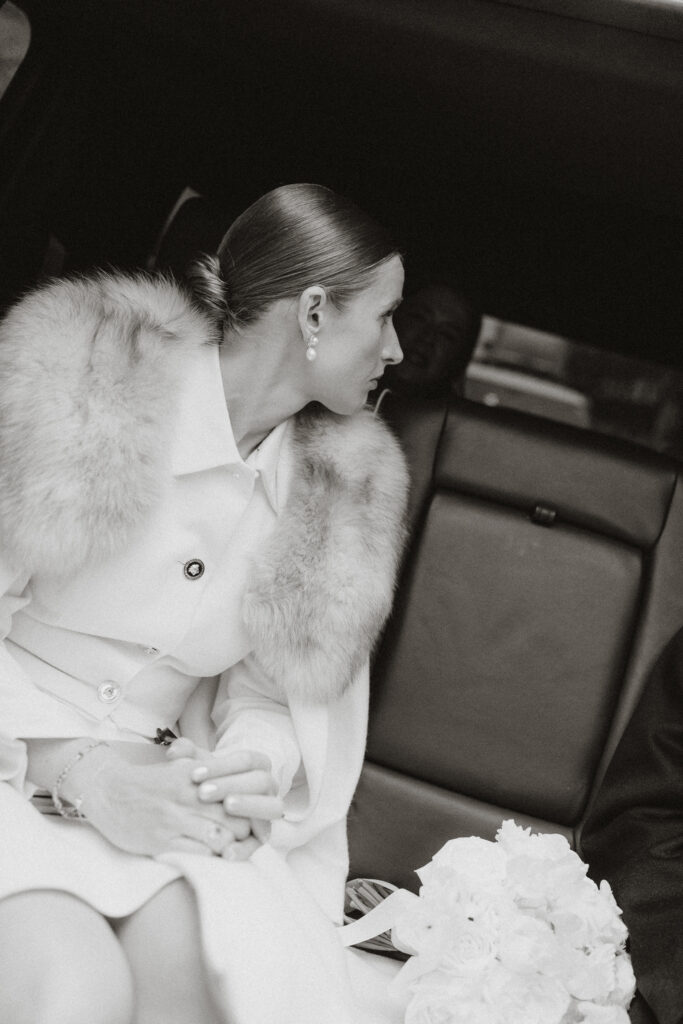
(273,957)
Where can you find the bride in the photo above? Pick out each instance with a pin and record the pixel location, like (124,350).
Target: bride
(200,530)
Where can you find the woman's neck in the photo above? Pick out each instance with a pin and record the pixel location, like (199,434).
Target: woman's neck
(260,385)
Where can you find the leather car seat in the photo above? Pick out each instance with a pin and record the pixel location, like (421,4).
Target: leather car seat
(541,579)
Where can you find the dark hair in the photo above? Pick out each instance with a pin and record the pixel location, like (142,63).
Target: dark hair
(289,239)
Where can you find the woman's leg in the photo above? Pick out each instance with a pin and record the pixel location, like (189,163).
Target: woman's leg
(60,963)
(162,943)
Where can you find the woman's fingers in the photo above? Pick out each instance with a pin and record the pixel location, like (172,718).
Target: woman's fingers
(232,841)
(261,829)
(235,763)
(215,790)
(183,748)
(244,805)
(240,827)
(241,851)
(212,834)
(242,782)
(183,844)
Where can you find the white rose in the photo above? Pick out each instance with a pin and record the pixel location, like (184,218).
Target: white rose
(478,860)
(591,974)
(435,1001)
(599,917)
(529,999)
(515,840)
(539,883)
(467,904)
(624,980)
(423,929)
(567,926)
(592,1014)
(457,928)
(527,945)
(472,950)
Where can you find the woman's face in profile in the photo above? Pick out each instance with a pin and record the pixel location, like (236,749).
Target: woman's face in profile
(357,342)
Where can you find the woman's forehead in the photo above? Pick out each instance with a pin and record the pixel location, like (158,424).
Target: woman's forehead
(387,285)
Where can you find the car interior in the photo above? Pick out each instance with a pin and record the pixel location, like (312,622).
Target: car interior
(530,150)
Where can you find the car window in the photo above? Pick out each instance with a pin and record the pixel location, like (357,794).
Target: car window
(547,375)
(15,36)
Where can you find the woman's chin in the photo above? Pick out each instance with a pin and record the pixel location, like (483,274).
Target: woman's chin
(347,405)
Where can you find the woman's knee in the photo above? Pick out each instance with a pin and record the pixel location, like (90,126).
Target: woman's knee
(61,963)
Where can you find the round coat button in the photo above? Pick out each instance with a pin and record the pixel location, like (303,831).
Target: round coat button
(194,568)
(108,692)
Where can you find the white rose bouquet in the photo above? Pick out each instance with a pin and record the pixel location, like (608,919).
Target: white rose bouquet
(509,932)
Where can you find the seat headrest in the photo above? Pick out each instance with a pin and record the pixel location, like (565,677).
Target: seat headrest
(194,227)
(587,480)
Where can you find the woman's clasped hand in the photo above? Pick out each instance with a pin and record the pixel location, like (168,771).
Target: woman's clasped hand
(168,806)
(242,781)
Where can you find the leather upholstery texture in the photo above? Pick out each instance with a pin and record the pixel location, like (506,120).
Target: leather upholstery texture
(538,586)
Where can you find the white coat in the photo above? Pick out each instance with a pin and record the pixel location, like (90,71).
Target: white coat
(119,475)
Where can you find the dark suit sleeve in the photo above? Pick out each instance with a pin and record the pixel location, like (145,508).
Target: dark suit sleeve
(634,835)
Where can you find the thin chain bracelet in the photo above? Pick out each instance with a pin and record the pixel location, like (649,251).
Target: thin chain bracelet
(73,810)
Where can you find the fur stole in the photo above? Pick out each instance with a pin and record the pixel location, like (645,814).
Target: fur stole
(89,373)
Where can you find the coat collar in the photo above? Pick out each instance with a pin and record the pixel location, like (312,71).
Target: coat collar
(268,461)
(203,434)
(204,437)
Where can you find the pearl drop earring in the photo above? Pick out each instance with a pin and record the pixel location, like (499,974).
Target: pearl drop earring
(311,353)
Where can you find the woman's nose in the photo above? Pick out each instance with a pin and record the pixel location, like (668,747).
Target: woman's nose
(392,352)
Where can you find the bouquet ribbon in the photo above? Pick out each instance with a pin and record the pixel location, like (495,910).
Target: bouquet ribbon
(379,920)
(382,919)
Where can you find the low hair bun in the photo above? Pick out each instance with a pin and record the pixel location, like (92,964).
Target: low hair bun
(208,287)
(291,237)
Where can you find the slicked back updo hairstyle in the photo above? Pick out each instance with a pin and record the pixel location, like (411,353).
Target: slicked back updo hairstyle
(289,239)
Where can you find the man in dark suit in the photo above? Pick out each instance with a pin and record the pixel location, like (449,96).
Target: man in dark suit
(634,838)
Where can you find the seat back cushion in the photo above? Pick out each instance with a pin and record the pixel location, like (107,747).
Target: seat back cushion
(505,665)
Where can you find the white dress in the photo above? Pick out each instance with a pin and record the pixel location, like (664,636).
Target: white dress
(137,644)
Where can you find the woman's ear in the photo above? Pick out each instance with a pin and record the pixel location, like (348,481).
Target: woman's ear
(312,302)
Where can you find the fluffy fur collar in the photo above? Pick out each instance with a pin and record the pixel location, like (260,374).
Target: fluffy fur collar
(89,373)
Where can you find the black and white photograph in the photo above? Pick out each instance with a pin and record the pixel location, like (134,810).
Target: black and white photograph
(341,512)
